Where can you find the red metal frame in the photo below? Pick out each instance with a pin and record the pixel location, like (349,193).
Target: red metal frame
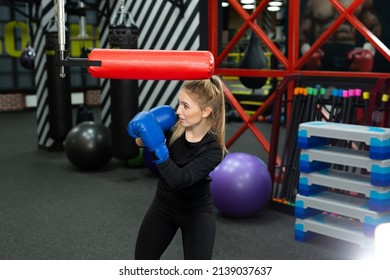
(292,63)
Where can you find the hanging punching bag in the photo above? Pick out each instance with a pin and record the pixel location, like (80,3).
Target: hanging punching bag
(254,58)
(123,34)
(59,92)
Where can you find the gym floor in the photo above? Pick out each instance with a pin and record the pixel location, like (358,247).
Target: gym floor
(51,210)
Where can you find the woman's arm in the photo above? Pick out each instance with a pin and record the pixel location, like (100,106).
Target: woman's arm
(193,172)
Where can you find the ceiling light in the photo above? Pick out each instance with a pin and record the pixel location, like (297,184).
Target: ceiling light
(273,8)
(248,7)
(247,1)
(275,3)
(225,4)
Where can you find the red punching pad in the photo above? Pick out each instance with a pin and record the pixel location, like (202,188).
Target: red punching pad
(134,64)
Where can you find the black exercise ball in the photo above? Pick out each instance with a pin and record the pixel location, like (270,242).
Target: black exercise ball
(88,145)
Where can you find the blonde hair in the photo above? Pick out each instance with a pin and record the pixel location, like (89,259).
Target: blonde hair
(207,93)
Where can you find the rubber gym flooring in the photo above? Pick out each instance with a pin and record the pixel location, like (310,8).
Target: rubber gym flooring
(51,210)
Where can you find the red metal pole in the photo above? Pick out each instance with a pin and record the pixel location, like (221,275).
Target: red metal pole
(213,27)
(293,50)
(293,34)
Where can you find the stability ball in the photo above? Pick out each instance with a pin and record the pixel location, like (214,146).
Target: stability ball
(88,145)
(241,185)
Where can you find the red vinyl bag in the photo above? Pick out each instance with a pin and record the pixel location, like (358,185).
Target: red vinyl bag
(135,64)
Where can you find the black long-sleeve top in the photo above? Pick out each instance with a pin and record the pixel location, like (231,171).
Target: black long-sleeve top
(184,178)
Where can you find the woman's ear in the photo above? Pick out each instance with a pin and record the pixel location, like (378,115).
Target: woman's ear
(206,112)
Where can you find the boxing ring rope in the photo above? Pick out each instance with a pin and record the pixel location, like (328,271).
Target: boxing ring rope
(292,63)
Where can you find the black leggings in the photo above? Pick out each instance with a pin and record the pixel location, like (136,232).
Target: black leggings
(161,224)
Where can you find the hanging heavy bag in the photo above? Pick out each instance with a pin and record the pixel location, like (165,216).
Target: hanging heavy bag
(254,58)
(123,92)
(59,91)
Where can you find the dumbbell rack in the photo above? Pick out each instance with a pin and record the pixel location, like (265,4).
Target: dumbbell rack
(332,200)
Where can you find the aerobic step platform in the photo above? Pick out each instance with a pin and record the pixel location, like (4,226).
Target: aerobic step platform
(340,204)
(315,182)
(314,134)
(333,226)
(322,157)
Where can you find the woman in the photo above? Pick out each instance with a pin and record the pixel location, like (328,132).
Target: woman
(195,147)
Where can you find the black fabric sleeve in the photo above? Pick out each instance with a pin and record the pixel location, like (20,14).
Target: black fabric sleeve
(198,169)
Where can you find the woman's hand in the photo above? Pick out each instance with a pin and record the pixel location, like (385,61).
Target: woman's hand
(139,142)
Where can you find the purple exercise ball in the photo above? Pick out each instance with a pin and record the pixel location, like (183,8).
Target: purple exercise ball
(241,185)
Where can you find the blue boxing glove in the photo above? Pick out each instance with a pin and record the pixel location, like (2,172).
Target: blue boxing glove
(165,116)
(145,126)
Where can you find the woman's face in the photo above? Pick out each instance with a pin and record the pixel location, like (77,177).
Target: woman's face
(188,111)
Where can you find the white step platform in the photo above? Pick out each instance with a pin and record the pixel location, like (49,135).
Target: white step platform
(333,226)
(311,134)
(321,157)
(314,182)
(340,204)
(337,202)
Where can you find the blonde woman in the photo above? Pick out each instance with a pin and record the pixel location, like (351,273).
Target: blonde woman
(184,156)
